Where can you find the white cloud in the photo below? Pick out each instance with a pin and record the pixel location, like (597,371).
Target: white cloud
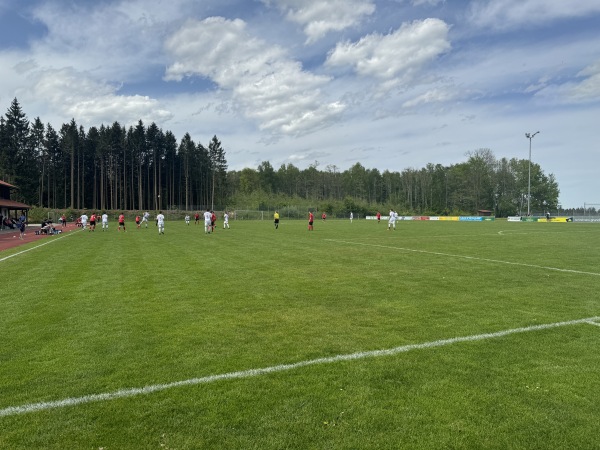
(71,94)
(589,89)
(396,56)
(427,2)
(506,14)
(586,89)
(268,86)
(114,41)
(431,96)
(320,17)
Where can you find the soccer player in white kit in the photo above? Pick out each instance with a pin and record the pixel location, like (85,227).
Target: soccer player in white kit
(226,221)
(145,219)
(392,220)
(207,220)
(351,216)
(160,221)
(104,221)
(84,220)
(187,219)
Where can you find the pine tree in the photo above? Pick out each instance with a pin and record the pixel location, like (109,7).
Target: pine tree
(22,169)
(218,166)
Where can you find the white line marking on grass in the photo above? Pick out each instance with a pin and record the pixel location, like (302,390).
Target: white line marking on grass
(591,322)
(33,248)
(122,393)
(474,258)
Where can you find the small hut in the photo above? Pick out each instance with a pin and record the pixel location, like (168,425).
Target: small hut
(10,209)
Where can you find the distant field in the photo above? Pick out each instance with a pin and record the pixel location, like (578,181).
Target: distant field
(340,338)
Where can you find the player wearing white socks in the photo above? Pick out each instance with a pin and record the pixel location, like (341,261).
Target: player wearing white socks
(145,218)
(160,221)
(226,221)
(392,220)
(104,221)
(187,219)
(207,220)
(84,220)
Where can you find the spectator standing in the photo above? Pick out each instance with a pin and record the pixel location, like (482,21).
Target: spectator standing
(22,230)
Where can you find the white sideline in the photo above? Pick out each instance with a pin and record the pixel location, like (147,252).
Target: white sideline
(33,248)
(32,407)
(474,258)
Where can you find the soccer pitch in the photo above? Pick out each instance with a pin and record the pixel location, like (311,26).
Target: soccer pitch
(435,335)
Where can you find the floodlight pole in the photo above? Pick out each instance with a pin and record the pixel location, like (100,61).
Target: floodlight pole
(530,137)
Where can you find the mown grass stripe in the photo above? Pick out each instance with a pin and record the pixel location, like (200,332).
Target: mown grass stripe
(474,258)
(33,407)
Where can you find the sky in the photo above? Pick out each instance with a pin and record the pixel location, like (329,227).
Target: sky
(389,84)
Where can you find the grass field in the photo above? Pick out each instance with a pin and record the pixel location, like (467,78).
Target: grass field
(255,338)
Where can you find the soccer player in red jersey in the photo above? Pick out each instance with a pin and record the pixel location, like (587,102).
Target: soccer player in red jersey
(121,222)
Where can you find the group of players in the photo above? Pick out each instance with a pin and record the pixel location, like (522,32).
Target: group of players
(94,218)
(210,219)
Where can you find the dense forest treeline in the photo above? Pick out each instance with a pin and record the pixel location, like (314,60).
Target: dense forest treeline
(143,167)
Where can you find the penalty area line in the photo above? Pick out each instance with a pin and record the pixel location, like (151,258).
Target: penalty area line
(474,258)
(123,393)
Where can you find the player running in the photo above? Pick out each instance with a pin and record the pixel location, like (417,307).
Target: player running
(145,218)
(122,222)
